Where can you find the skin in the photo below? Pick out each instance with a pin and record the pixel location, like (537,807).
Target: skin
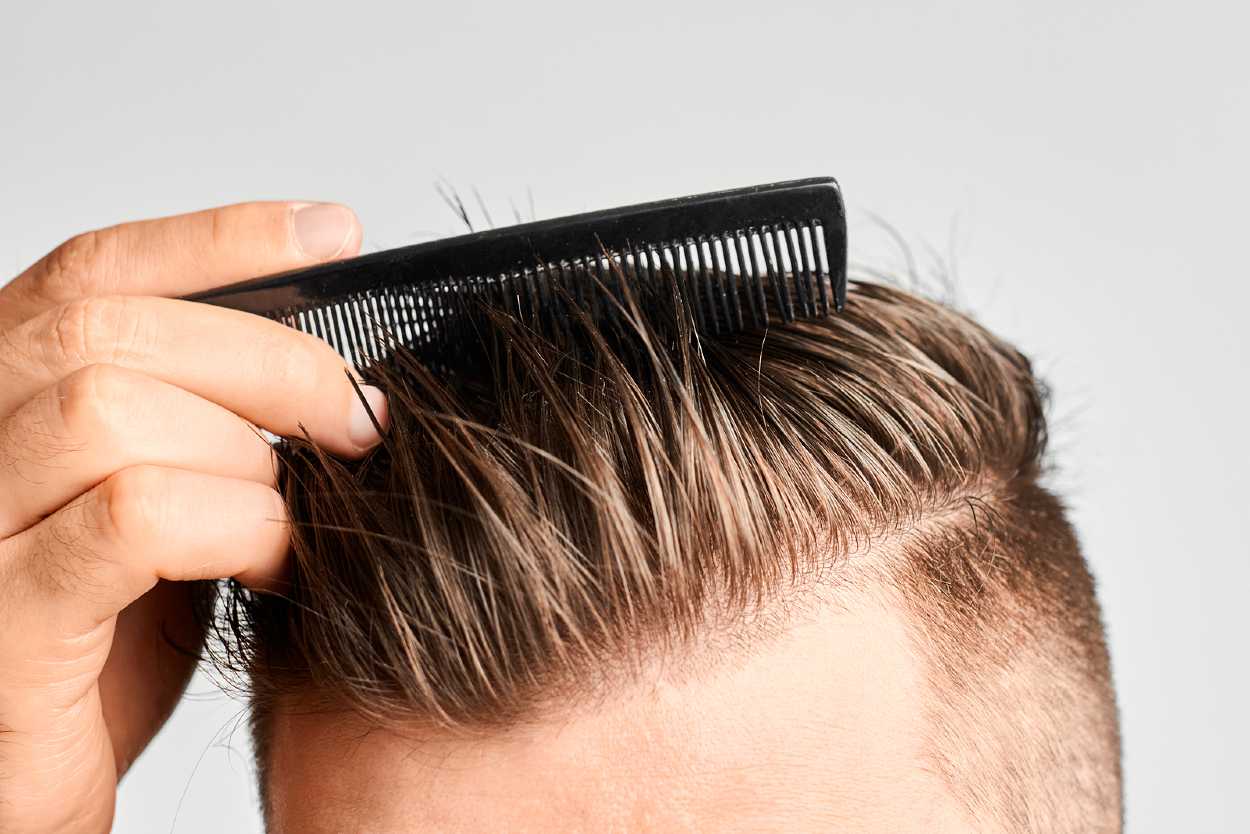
(130,463)
(816,729)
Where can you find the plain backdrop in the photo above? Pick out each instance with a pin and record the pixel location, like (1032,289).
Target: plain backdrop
(1080,168)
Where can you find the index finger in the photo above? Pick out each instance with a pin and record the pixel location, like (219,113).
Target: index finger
(174,256)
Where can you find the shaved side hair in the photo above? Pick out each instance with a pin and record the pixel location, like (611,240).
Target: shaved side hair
(559,507)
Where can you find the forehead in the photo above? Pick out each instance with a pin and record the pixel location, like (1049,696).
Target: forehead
(821,719)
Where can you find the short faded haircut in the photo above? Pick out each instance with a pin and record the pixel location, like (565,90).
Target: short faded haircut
(562,506)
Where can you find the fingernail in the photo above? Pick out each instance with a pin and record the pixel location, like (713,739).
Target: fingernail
(360,429)
(323,229)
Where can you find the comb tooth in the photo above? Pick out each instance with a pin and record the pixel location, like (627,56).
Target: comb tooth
(654,277)
(386,305)
(728,249)
(668,264)
(535,285)
(776,276)
(471,296)
(591,275)
(300,324)
(568,291)
(822,267)
(686,274)
(719,284)
(559,291)
(431,310)
(573,288)
(439,309)
(692,279)
(676,273)
(362,325)
(629,277)
(708,288)
(525,298)
(596,283)
(546,291)
(415,301)
(331,329)
(802,274)
(394,314)
(313,321)
(813,268)
(718,288)
(381,324)
(521,284)
(607,267)
(385,334)
(354,328)
(432,305)
(724,282)
(540,293)
(449,305)
(793,268)
(577,284)
(726,286)
(629,273)
(338,325)
(564,298)
(423,309)
(747,277)
(347,329)
(584,285)
(398,294)
(513,284)
(373,323)
(363,328)
(492,290)
(516,293)
(426,314)
(785,269)
(755,274)
(503,292)
(401,315)
(760,273)
(353,331)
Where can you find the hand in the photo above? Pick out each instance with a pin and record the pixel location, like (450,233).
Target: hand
(129,464)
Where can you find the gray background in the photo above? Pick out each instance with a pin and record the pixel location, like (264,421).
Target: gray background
(1080,165)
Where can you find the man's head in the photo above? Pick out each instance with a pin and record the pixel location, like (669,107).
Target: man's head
(635,579)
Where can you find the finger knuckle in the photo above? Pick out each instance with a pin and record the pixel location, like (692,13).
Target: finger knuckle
(96,401)
(134,504)
(90,330)
(71,266)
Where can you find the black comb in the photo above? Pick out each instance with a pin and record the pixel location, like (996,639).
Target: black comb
(738,258)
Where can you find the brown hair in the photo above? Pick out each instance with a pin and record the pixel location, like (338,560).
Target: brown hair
(562,505)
